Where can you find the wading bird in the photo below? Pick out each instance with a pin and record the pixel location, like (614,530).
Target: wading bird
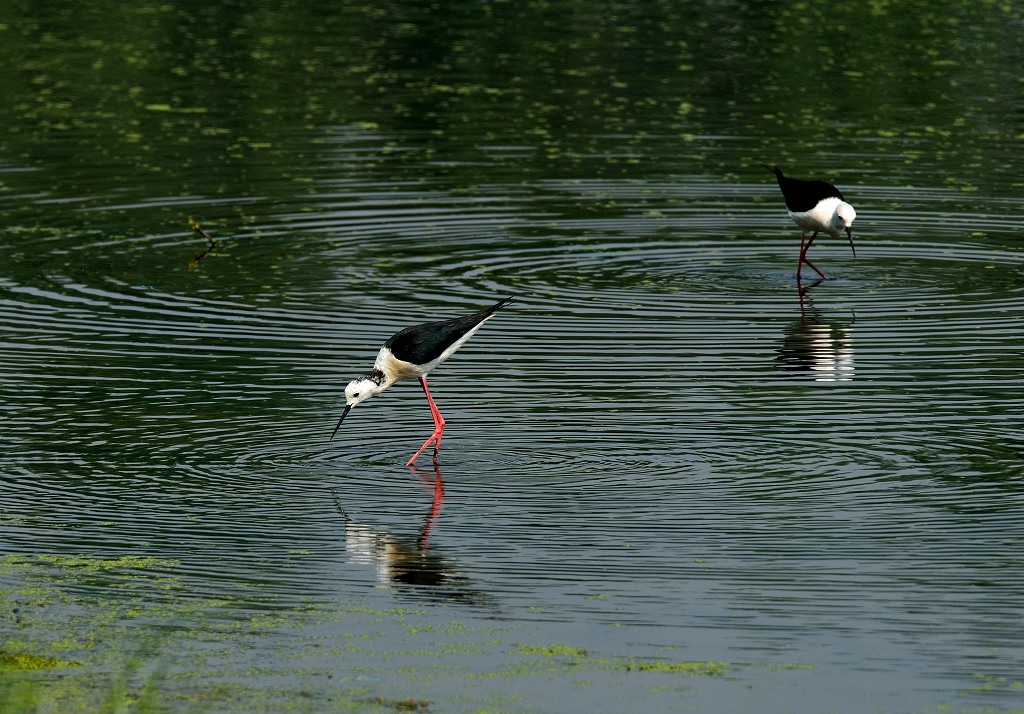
(815,206)
(413,353)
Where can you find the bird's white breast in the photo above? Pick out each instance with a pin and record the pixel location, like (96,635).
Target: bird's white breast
(818,218)
(395,369)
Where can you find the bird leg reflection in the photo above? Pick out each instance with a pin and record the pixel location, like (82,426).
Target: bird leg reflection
(439,423)
(814,348)
(436,503)
(805,291)
(404,561)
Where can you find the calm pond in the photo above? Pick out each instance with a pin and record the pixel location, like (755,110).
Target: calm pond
(672,478)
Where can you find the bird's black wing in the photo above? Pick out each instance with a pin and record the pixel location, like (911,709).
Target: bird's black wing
(803,195)
(424,343)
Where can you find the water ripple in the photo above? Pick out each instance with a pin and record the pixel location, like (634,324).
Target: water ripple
(660,372)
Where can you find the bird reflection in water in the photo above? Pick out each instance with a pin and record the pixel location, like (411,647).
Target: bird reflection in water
(409,563)
(815,349)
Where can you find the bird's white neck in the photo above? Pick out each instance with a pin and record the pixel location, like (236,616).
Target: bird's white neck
(380,379)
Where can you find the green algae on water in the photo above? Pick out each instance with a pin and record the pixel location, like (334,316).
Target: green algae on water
(696,668)
(552,650)
(25,662)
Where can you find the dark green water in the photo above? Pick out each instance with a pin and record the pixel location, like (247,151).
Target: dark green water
(672,481)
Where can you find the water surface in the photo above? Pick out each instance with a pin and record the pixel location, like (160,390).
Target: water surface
(672,476)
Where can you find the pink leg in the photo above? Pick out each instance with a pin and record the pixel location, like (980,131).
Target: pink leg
(800,260)
(805,259)
(438,425)
(823,276)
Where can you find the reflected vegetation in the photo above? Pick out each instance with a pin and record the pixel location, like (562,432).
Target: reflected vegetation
(210,96)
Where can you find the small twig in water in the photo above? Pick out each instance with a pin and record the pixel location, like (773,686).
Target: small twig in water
(198,230)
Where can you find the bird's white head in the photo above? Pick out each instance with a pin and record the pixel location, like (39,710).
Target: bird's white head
(842,221)
(361,389)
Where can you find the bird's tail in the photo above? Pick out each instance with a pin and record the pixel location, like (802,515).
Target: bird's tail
(500,304)
(774,169)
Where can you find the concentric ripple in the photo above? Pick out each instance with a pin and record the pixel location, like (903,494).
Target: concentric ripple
(663,420)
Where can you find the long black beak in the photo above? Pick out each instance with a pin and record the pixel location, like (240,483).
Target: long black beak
(849,234)
(344,414)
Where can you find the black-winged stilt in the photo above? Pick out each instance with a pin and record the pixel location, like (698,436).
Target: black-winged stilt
(815,206)
(414,353)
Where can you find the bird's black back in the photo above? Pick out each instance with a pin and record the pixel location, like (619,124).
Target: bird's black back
(424,343)
(803,195)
